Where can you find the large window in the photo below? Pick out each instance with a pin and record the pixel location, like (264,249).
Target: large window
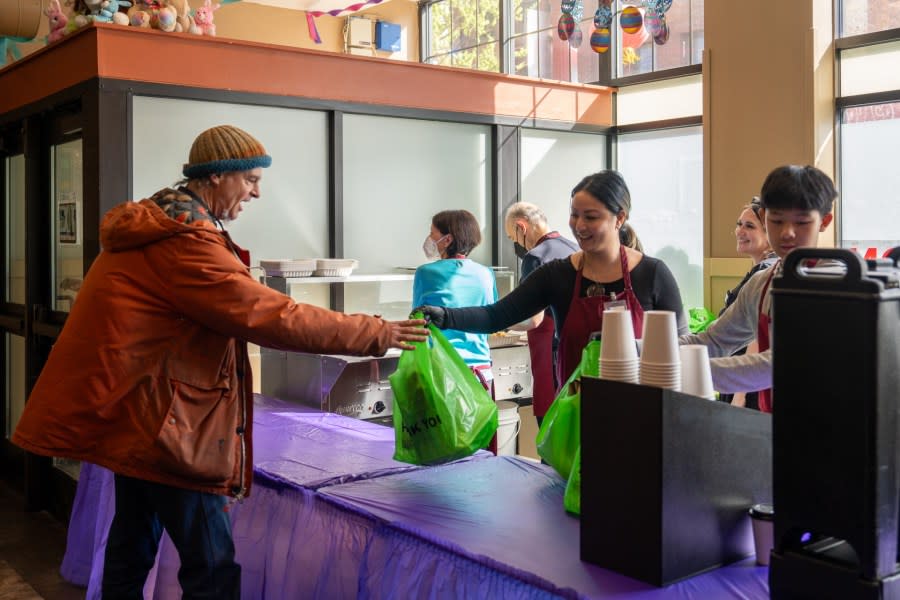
(640,53)
(534,48)
(470,33)
(869,115)
(464,33)
(867,16)
(869,178)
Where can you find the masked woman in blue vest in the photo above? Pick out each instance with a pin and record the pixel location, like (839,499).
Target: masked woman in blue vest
(453,280)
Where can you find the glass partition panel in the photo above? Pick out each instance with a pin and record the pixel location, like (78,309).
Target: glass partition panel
(664,172)
(869,178)
(398,173)
(15,381)
(290,219)
(68,226)
(15,232)
(553,162)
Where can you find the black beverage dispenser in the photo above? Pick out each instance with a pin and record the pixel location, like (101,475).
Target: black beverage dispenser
(836,383)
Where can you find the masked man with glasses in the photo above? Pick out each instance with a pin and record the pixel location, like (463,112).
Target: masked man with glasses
(536,244)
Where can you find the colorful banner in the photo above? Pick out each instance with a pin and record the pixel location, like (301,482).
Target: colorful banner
(313,30)
(337,11)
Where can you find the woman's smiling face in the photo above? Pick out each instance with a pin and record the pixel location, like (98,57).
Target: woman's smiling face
(593,225)
(750,234)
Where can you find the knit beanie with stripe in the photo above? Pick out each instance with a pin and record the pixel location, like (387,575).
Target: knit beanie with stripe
(223,149)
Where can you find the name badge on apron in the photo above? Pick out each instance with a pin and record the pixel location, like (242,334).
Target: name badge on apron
(613,304)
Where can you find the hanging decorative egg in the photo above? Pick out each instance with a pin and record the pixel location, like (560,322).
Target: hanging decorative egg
(663,36)
(578,11)
(653,22)
(566,26)
(631,20)
(566,6)
(575,39)
(663,6)
(600,40)
(603,17)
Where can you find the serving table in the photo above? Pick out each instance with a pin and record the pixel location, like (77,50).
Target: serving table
(332,516)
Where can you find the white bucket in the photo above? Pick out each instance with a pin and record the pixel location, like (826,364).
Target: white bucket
(508,423)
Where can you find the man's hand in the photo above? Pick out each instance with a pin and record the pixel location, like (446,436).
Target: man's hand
(404,332)
(433,314)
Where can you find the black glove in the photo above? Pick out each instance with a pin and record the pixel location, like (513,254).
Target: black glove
(435,315)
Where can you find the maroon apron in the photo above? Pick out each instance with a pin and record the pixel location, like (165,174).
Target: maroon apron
(762,340)
(540,346)
(586,316)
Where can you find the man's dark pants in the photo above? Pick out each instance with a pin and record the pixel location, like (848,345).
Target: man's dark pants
(198,526)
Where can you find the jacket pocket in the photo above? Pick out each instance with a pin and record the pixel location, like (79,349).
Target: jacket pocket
(198,439)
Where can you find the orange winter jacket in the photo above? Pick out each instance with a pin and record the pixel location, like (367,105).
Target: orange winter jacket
(150,376)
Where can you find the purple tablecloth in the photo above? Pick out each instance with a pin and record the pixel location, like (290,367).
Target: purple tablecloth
(496,529)
(296,451)
(333,516)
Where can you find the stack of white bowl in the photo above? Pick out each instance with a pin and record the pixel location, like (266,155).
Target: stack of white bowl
(660,357)
(696,376)
(618,353)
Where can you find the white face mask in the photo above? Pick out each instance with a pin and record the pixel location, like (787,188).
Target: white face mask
(431,249)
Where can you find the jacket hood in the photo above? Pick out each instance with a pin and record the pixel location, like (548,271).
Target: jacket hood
(135,224)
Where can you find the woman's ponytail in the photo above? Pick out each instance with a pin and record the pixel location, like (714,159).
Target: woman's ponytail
(628,238)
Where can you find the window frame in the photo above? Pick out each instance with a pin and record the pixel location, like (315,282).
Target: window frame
(841,103)
(605,71)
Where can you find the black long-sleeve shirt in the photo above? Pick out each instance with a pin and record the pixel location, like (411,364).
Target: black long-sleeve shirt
(550,286)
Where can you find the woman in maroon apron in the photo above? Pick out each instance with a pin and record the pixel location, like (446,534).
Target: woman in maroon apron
(610,250)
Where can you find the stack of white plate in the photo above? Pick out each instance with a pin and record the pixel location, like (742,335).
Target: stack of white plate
(660,357)
(288,267)
(335,267)
(618,353)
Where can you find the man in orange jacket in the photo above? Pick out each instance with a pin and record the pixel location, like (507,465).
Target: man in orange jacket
(150,376)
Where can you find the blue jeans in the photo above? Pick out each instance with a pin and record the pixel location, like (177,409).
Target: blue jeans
(198,526)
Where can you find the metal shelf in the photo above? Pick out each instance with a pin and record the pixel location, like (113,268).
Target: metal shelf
(348,279)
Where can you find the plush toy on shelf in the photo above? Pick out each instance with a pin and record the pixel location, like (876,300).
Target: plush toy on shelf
(203,18)
(164,15)
(184,21)
(164,19)
(57,19)
(110,10)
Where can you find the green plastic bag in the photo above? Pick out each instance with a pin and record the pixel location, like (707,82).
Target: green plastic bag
(700,319)
(559,437)
(572,497)
(441,410)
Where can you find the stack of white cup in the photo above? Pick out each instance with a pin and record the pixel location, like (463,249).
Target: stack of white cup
(696,376)
(618,353)
(660,358)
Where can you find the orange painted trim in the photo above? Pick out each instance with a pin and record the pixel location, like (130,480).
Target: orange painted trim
(114,52)
(49,70)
